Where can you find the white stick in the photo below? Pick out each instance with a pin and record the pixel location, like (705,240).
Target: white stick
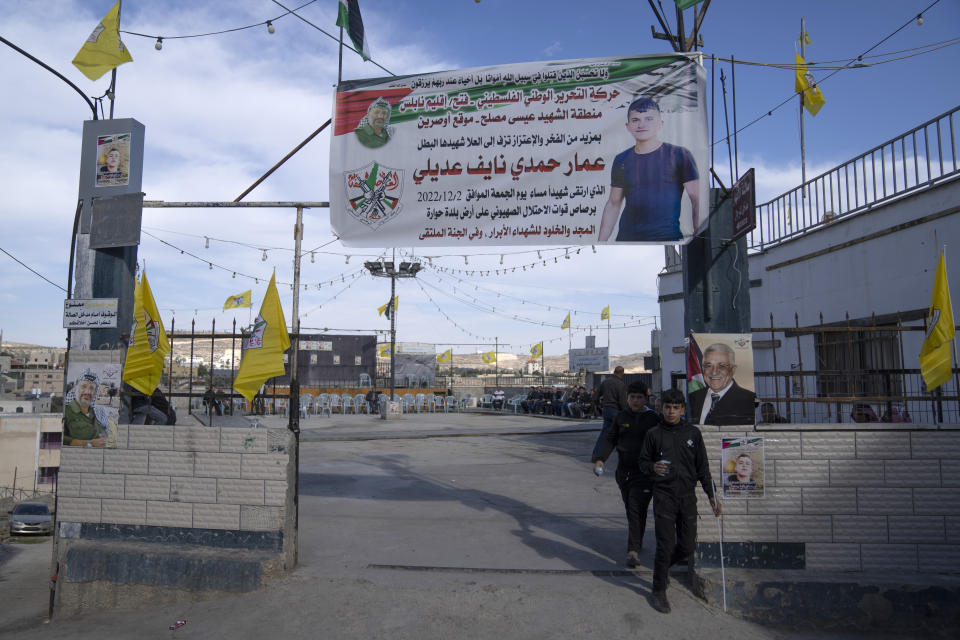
(723,574)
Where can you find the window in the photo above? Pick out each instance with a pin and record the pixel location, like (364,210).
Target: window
(858,363)
(336,359)
(51,440)
(357,360)
(47,475)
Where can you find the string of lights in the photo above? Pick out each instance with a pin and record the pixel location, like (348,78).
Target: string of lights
(541,261)
(548,307)
(769,112)
(235,273)
(853,63)
(268,23)
(479,305)
(332,298)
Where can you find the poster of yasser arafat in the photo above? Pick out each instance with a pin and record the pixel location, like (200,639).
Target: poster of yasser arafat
(541,153)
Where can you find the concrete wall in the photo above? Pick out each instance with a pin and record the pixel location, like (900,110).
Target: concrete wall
(219,500)
(843,499)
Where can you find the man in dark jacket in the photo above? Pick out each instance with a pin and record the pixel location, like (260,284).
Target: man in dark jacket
(611,400)
(626,435)
(674,457)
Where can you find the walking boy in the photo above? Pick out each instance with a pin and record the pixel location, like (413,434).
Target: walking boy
(627,434)
(674,456)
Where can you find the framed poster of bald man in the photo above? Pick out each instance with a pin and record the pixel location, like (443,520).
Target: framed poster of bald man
(720,387)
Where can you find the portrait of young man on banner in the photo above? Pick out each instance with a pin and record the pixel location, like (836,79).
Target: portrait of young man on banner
(743,467)
(113,160)
(720,387)
(523,154)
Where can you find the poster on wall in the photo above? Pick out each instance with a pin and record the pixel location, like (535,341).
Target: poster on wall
(563,152)
(720,388)
(743,467)
(113,160)
(92,402)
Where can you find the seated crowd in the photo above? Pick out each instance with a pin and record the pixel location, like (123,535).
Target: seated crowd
(573,402)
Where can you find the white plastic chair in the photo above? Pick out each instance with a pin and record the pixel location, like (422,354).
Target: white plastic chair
(422,402)
(365,380)
(346,402)
(486,401)
(306,403)
(450,402)
(409,403)
(333,403)
(465,400)
(360,404)
(515,403)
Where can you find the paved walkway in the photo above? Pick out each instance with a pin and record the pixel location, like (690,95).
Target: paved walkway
(500,532)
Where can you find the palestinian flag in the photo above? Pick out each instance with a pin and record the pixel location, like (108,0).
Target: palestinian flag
(694,372)
(348,17)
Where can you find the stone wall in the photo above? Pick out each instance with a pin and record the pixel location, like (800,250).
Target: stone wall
(219,500)
(843,498)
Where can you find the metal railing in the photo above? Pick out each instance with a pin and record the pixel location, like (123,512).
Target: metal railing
(913,161)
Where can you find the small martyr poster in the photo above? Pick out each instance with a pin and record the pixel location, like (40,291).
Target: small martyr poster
(603,150)
(113,160)
(743,467)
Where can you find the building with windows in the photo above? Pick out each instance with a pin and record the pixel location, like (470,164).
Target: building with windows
(30,450)
(840,274)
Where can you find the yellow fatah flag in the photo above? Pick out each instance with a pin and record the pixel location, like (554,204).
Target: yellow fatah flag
(935,352)
(605,313)
(446,356)
(388,308)
(489,357)
(148,342)
(263,348)
(804,84)
(536,350)
(566,322)
(103,51)
(384,350)
(244,299)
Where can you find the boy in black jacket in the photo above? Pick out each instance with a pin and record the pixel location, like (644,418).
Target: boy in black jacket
(626,434)
(674,456)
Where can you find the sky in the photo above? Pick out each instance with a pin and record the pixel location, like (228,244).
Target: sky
(220,110)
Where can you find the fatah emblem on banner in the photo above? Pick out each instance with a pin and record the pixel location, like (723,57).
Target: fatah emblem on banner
(255,341)
(373,193)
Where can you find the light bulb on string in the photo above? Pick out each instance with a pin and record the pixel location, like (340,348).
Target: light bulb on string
(206,242)
(158,45)
(263,258)
(270,28)
(348,260)
(312,257)
(210,264)
(234,275)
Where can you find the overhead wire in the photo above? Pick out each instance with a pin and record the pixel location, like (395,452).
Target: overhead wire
(769,112)
(31,270)
(217,33)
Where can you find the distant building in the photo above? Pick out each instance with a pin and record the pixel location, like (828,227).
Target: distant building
(46,380)
(30,451)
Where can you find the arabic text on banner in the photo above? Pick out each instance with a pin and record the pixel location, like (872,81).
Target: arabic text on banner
(522,154)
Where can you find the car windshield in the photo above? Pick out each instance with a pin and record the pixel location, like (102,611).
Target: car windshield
(31,510)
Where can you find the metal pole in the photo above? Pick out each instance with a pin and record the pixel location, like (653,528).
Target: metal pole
(213,333)
(393,323)
(340,58)
(733,91)
(294,414)
(190,370)
(496,359)
(803,153)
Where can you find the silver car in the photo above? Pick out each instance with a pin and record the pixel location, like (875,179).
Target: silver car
(30,517)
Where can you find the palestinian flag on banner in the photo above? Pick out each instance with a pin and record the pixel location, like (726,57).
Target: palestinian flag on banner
(694,372)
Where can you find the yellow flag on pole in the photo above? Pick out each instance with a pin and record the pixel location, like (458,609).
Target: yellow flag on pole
(489,357)
(804,84)
(103,51)
(244,299)
(935,353)
(148,342)
(566,322)
(263,348)
(536,350)
(605,313)
(388,307)
(384,350)
(446,356)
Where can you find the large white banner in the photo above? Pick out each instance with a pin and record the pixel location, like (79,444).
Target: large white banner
(568,152)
